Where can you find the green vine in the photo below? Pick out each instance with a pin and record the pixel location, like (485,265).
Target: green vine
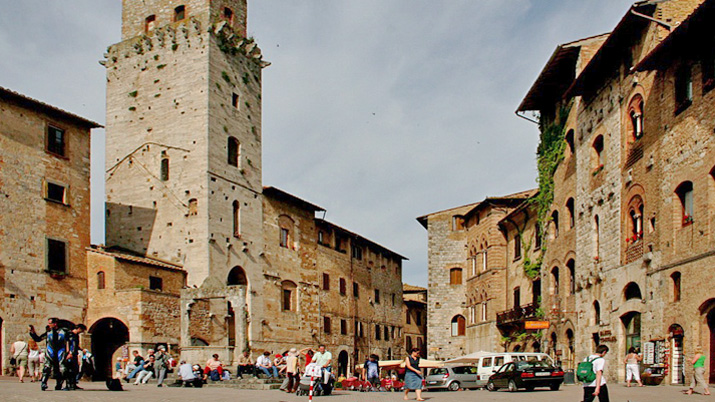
(549,154)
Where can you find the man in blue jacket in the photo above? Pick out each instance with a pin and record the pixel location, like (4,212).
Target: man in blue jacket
(55,352)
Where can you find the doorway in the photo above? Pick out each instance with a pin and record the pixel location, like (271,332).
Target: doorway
(711,325)
(678,374)
(632,324)
(343,364)
(108,335)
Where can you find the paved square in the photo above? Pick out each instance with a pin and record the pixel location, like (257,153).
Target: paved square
(10,390)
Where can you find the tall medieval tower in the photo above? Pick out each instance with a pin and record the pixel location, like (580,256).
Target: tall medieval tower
(184,151)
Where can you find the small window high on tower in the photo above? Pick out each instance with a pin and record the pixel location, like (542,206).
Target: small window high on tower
(228,15)
(179,13)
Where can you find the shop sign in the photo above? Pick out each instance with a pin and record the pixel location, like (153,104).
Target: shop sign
(536,325)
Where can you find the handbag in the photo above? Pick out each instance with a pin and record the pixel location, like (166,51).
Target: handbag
(13,360)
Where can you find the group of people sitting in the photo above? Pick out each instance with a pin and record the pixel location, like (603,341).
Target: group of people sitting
(141,369)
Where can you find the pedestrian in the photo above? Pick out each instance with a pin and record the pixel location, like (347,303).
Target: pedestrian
(698,363)
(147,371)
(87,368)
(246,364)
(371,371)
(265,364)
(33,360)
(632,369)
(161,365)
(598,387)
(118,371)
(413,375)
(55,350)
(292,371)
(72,360)
(324,360)
(19,351)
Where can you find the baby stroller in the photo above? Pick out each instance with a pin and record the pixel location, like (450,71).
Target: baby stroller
(319,389)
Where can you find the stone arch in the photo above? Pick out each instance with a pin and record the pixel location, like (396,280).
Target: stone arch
(108,334)
(634,118)
(237,277)
(632,291)
(343,362)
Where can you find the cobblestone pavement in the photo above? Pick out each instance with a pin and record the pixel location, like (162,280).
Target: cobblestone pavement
(11,391)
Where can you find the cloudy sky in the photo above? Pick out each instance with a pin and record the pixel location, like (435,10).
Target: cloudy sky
(377,110)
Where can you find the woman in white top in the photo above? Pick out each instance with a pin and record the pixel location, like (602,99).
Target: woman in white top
(33,361)
(632,370)
(19,352)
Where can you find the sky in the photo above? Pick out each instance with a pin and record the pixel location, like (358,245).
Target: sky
(379,111)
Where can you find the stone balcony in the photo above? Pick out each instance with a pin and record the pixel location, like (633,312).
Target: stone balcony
(517,315)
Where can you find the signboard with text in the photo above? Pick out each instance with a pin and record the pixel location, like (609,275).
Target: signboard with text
(536,325)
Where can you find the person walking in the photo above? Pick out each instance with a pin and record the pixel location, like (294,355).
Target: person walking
(55,352)
(632,368)
(597,388)
(33,361)
(371,371)
(73,357)
(324,359)
(698,363)
(19,352)
(292,371)
(413,375)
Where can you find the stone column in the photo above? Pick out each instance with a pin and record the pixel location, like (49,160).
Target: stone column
(186,303)
(239,309)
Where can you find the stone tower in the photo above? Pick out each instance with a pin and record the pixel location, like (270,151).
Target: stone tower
(183,131)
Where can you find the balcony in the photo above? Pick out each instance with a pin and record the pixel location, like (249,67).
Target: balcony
(517,315)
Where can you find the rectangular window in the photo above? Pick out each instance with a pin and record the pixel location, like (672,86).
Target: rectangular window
(326,325)
(357,252)
(321,237)
(517,246)
(537,237)
(56,140)
(149,23)
(235,100)
(343,327)
(683,88)
(179,13)
(408,317)
(418,318)
(356,290)
(56,256)
(484,311)
(284,237)
(377,296)
(378,332)
(392,296)
(56,193)
(326,282)
(156,283)
(387,333)
(287,297)
(457,223)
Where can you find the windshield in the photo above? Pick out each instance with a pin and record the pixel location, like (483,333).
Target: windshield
(532,364)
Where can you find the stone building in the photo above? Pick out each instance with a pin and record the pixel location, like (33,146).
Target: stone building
(44,224)
(467,260)
(415,313)
(185,195)
(621,235)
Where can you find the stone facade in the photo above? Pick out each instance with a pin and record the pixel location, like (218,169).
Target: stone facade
(415,313)
(44,224)
(184,189)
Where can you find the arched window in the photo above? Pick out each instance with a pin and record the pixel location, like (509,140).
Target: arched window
(288,297)
(675,276)
(596,313)
(193,207)
(473,260)
(164,169)
(236,219)
(227,15)
(596,237)
(458,325)
(570,208)
(632,291)
(179,13)
(555,280)
(571,265)
(100,280)
(570,142)
(234,151)
(484,251)
(597,154)
(635,113)
(555,224)
(285,224)
(685,195)
(455,276)
(517,297)
(554,341)
(635,220)
(150,23)
(237,276)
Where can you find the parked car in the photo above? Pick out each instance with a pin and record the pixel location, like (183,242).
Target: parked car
(452,378)
(488,364)
(526,374)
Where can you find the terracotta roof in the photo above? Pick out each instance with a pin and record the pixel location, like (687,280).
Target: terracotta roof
(695,27)
(282,195)
(46,108)
(361,238)
(127,255)
(411,288)
(423,219)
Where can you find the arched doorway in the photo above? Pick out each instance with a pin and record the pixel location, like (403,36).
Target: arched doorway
(632,323)
(711,325)
(108,335)
(343,364)
(678,357)
(237,276)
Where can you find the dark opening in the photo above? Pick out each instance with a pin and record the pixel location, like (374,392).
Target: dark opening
(56,256)
(179,13)
(56,140)
(108,335)
(164,169)
(100,280)
(633,291)
(56,193)
(326,325)
(326,282)
(156,283)
(237,276)
(233,151)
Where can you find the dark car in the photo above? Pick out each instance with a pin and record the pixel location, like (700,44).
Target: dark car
(526,374)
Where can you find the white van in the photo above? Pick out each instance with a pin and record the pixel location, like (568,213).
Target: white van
(490,363)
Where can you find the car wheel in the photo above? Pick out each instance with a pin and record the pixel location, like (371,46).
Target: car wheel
(555,386)
(491,387)
(453,386)
(512,386)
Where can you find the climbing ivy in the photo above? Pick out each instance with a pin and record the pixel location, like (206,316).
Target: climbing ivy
(549,154)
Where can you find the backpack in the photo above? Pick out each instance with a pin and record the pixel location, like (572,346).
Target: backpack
(215,376)
(585,372)
(114,385)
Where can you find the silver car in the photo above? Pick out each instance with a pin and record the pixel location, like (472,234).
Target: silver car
(452,378)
